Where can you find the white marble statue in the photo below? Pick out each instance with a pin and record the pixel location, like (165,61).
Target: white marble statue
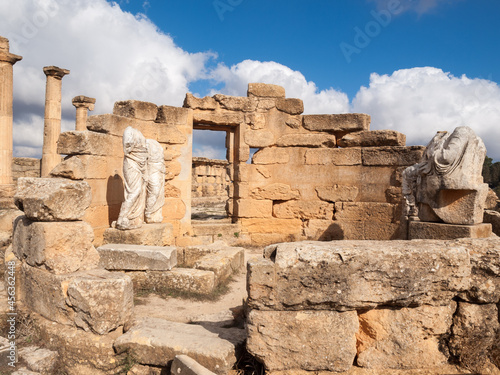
(447,185)
(144,180)
(155,184)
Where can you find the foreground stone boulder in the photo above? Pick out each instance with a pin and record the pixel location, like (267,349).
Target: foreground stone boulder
(52,199)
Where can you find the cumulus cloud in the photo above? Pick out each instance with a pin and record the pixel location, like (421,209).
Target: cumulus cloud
(237,77)
(418,6)
(113,55)
(421,101)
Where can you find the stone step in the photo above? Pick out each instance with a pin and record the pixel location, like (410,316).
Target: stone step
(125,257)
(148,235)
(222,263)
(156,342)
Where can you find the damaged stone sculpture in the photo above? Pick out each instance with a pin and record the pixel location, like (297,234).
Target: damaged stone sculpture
(447,185)
(144,176)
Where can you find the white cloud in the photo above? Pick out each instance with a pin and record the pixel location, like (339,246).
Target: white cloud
(112,55)
(237,77)
(418,6)
(209,152)
(420,101)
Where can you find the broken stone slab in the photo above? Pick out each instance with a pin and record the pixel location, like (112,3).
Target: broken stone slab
(60,248)
(392,155)
(290,106)
(347,122)
(306,140)
(127,257)
(181,279)
(306,340)
(102,301)
(442,231)
(349,275)
(147,235)
(173,116)
(264,90)
(407,338)
(89,143)
(52,199)
(136,109)
(237,103)
(156,342)
(38,359)
(184,365)
(199,103)
(194,253)
(373,138)
(493,218)
(115,125)
(223,263)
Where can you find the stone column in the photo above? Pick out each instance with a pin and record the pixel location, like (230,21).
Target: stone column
(7,61)
(83,104)
(52,127)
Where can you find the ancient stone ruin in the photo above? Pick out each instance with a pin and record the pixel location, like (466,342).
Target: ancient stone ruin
(352,252)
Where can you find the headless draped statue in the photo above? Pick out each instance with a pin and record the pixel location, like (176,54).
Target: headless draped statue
(447,185)
(144,181)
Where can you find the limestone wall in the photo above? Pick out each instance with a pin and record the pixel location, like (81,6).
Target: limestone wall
(313,176)
(210,182)
(25,167)
(96,156)
(378,305)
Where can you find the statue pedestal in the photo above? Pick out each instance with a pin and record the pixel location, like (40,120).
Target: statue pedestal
(147,235)
(440,231)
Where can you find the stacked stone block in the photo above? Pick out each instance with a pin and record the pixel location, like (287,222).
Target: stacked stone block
(96,156)
(314,176)
(210,181)
(378,305)
(60,279)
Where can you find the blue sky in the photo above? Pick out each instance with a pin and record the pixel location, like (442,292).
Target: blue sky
(416,66)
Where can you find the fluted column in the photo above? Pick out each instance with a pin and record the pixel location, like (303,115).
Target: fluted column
(83,104)
(7,61)
(52,126)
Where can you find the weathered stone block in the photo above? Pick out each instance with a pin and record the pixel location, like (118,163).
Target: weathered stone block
(303,210)
(218,118)
(52,199)
(374,138)
(395,156)
(364,211)
(276,192)
(358,274)
(253,208)
(236,103)
(157,342)
(493,218)
(271,155)
(199,103)
(136,109)
(147,235)
(173,115)
(222,263)
(259,138)
(183,279)
(474,334)
(441,231)
(71,168)
(290,106)
(170,134)
(338,193)
(335,156)
(408,338)
(60,248)
(348,122)
(116,125)
(306,140)
(102,300)
(263,90)
(89,143)
(184,365)
(137,257)
(39,359)
(307,340)
(274,225)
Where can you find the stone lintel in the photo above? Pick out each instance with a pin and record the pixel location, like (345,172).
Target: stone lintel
(54,71)
(83,101)
(442,231)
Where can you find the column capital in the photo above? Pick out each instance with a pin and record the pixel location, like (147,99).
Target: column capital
(9,57)
(54,71)
(83,101)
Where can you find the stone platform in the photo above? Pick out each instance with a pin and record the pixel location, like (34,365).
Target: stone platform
(439,231)
(147,235)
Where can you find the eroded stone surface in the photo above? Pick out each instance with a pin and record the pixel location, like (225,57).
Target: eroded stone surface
(348,122)
(184,365)
(52,199)
(148,235)
(308,340)
(137,257)
(374,138)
